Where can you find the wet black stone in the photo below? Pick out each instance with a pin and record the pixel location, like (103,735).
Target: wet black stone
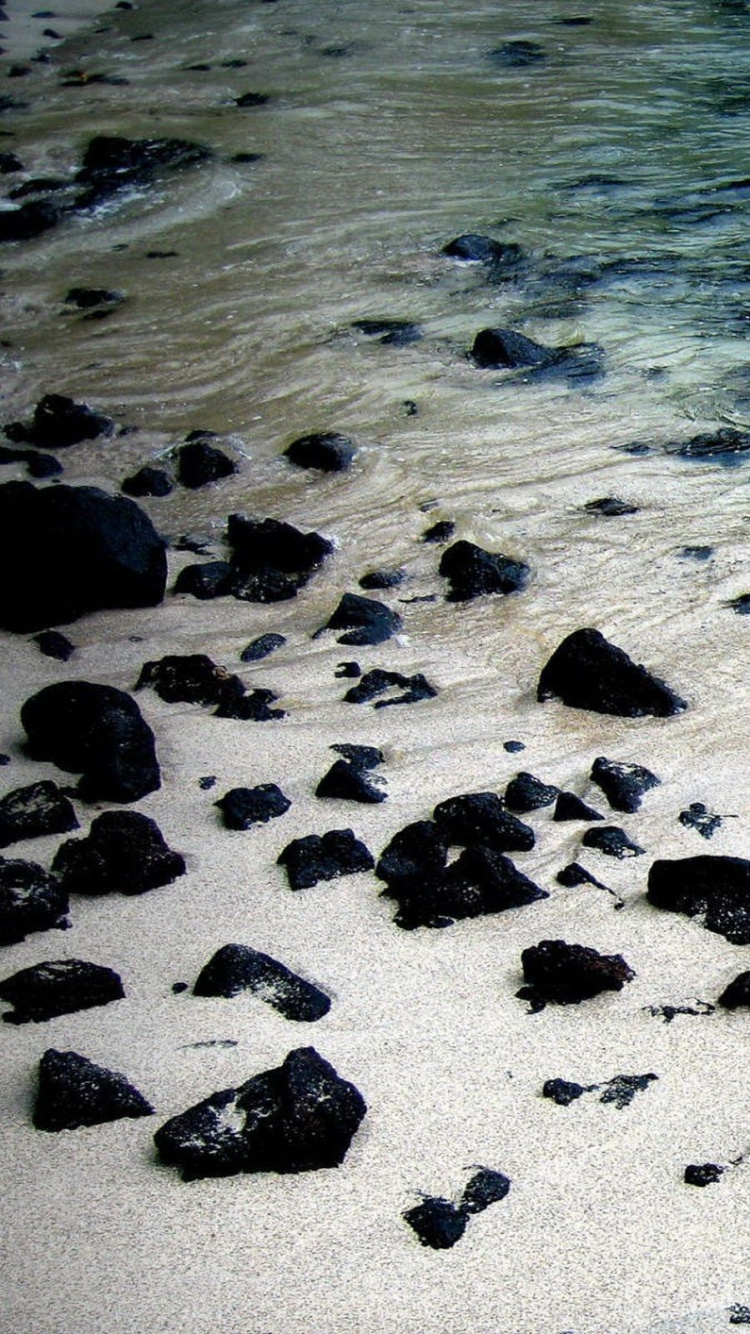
(30,812)
(480,820)
(480,882)
(268,585)
(382,579)
(473,247)
(179,987)
(699,818)
(251,100)
(739,1315)
(242,807)
(74,549)
(519,54)
(697,553)
(191,678)
(364,620)
(610,507)
(59,986)
(437,1223)
(53,644)
(38,464)
(28,221)
(73,1092)
(262,647)
(725,443)
(254,706)
(513,747)
(505,349)
(324,857)
(348,782)
(207,580)
(59,422)
(37,185)
(526,793)
(587,672)
(96,731)
(740,605)
(390,333)
(88,298)
(612,841)
(442,531)
(147,481)
(486,1187)
(272,559)
(112,163)
(716,888)
(199,464)
(563,1091)
(624,785)
(703,1174)
(207,782)
(570,807)
(473,572)
(237,968)
(326,452)
(567,974)
(10,162)
(378,681)
(299,1117)
(243,158)
(125,853)
(30,900)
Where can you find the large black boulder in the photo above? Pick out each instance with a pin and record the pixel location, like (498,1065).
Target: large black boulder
(59,422)
(73,1092)
(30,900)
(59,986)
(298,1117)
(714,888)
(568,974)
(324,857)
(587,672)
(473,572)
(72,550)
(29,812)
(125,853)
(96,731)
(237,968)
(271,559)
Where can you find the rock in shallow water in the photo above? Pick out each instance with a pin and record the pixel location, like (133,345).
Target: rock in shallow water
(473,572)
(59,422)
(59,986)
(237,968)
(73,1092)
(325,452)
(125,853)
(30,900)
(364,620)
(587,672)
(299,1117)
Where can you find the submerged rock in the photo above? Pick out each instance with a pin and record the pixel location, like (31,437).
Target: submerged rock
(587,672)
(473,572)
(376,579)
(299,1117)
(200,463)
(610,506)
(59,422)
(73,550)
(506,349)
(715,888)
(364,620)
(517,54)
(624,785)
(30,900)
(237,968)
(96,731)
(390,332)
(324,857)
(242,807)
(73,1092)
(473,247)
(526,793)
(726,443)
(564,1091)
(112,163)
(567,974)
(30,812)
(60,986)
(328,451)
(125,853)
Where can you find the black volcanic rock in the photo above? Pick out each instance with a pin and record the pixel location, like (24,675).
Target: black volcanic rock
(30,900)
(299,1117)
(506,349)
(74,549)
(73,1092)
(328,451)
(414,858)
(479,819)
(96,731)
(570,807)
(736,995)
(206,580)
(125,853)
(715,888)
(390,332)
(485,1187)
(53,644)
(725,443)
(378,682)
(479,249)
(479,882)
(29,220)
(364,620)
(703,1174)
(324,857)
(350,782)
(112,163)
(612,841)
(567,974)
(701,819)
(517,54)
(193,678)
(237,968)
(587,672)
(563,1091)
(147,481)
(473,572)
(59,986)
(438,1223)
(526,793)
(272,560)
(29,812)
(59,422)
(200,463)
(623,785)
(262,647)
(242,807)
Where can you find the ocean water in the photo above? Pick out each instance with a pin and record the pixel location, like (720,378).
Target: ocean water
(615,156)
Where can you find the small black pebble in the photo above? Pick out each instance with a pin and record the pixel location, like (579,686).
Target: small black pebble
(178,987)
(261,647)
(207,782)
(562,1091)
(513,747)
(702,1174)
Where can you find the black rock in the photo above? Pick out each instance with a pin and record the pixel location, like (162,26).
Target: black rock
(349,782)
(299,1117)
(242,807)
(570,807)
(389,332)
(622,784)
(30,900)
(473,572)
(112,163)
(211,579)
(191,678)
(60,986)
(621,1089)
(473,247)
(573,875)
(74,549)
(237,968)
(251,100)
(38,464)
(563,1091)
(716,888)
(414,858)
(207,782)
(74,1092)
(324,857)
(272,560)
(725,443)
(442,531)
(125,853)
(486,1187)
(612,841)
(53,644)
(254,706)
(700,553)
(378,681)
(28,221)
(526,793)
(29,812)
(568,974)
(437,1223)
(147,481)
(479,820)
(740,605)
(362,757)
(92,298)
(59,422)
(261,647)
(587,672)
(501,349)
(479,882)
(703,1174)
(382,579)
(326,452)
(10,162)
(348,670)
(96,731)
(699,818)
(518,54)
(365,620)
(199,463)
(610,507)
(736,995)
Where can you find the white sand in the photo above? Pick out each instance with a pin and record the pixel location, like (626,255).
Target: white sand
(23,34)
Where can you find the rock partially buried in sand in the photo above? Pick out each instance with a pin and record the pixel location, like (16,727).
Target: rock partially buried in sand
(60,986)
(736,995)
(567,974)
(96,731)
(30,812)
(623,785)
(237,968)
(30,900)
(73,1092)
(324,857)
(715,888)
(53,644)
(570,807)
(242,807)
(439,1223)
(346,781)
(526,793)
(479,819)
(473,572)
(193,678)
(612,841)
(298,1117)
(587,672)
(125,853)
(378,682)
(364,620)
(272,560)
